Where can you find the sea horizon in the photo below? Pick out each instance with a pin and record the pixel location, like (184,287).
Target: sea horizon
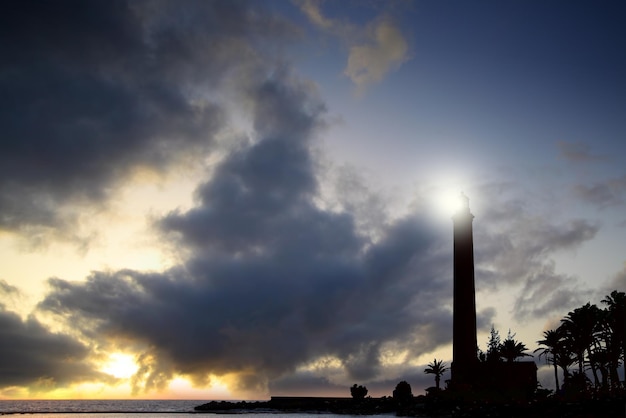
(124,408)
(108,406)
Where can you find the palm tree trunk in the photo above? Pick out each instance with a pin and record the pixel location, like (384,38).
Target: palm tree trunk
(594,369)
(581,359)
(613,375)
(565,374)
(556,374)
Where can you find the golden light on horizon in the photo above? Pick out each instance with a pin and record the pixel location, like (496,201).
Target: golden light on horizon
(182,388)
(178,388)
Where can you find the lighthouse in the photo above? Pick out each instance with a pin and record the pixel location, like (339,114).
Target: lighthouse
(464,347)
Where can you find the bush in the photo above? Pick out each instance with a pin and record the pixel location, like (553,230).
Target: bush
(358,392)
(402,393)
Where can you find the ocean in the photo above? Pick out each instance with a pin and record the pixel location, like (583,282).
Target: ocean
(121,409)
(97,408)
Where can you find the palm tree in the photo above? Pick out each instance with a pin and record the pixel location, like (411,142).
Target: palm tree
(438,368)
(511,349)
(601,357)
(564,357)
(581,328)
(614,332)
(553,343)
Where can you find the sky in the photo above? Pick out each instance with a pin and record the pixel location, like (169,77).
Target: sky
(237,200)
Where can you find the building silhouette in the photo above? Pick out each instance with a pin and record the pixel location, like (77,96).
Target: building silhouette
(464,346)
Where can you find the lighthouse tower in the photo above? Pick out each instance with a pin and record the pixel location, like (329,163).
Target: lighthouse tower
(464,347)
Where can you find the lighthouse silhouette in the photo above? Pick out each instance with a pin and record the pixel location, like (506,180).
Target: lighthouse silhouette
(464,346)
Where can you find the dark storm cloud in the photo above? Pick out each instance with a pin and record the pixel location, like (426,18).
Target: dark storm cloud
(93,90)
(261,316)
(306,384)
(354,195)
(31,355)
(272,282)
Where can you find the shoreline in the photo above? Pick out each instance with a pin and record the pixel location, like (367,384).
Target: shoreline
(425,406)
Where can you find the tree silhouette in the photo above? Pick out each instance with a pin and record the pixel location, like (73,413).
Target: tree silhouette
(614,332)
(402,393)
(581,327)
(564,357)
(438,368)
(553,347)
(510,349)
(493,346)
(593,338)
(358,392)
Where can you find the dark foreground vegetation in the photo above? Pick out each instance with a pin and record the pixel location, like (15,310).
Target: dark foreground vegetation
(446,405)
(588,348)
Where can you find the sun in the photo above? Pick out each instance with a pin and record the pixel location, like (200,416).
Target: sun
(120,365)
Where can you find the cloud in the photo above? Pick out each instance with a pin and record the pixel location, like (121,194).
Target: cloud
(617,282)
(514,242)
(385,50)
(603,194)
(260,317)
(306,383)
(312,10)
(546,294)
(7,290)
(348,189)
(272,281)
(96,90)
(373,51)
(31,355)
(515,246)
(10,296)
(577,152)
